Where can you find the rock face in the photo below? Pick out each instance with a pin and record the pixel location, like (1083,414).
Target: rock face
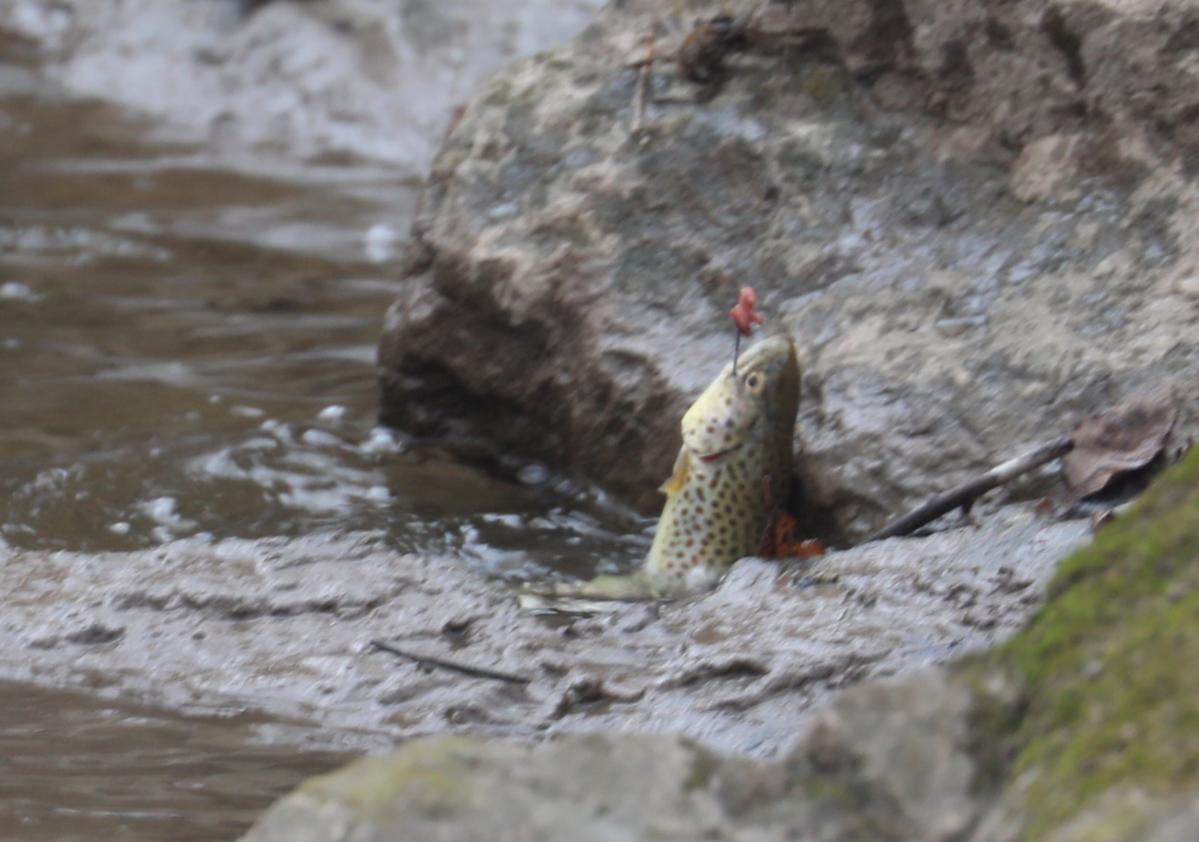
(316,78)
(977,221)
(1079,728)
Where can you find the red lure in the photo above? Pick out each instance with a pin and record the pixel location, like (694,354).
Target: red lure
(745,314)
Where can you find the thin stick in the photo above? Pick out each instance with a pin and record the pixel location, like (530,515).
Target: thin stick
(647,65)
(736,350)
(964,495)
(453,666)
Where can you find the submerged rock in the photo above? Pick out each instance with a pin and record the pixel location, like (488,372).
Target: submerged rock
(974,220)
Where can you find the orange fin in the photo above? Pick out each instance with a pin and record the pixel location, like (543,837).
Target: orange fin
(780,540)
(682,467)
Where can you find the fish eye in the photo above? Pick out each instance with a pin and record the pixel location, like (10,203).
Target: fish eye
(753,382)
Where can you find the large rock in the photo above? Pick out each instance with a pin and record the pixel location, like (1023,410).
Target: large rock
(977,220)
(316,78)
(1078,729)
(908,774)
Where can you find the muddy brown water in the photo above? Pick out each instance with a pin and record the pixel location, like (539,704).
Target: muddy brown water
(76,768)
(186,349)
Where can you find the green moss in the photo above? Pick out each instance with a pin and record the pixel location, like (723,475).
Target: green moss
(847,797)
(436,769)
(1122,816)
(703,766)
(822,83)
(995,715)
(1108,667)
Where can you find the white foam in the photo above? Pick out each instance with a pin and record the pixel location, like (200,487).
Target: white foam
(16,291)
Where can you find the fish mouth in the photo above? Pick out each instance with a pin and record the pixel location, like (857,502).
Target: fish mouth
(718,455)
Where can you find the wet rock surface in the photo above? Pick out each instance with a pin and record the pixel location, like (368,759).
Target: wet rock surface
(285,627)
(975,221)
(379,79)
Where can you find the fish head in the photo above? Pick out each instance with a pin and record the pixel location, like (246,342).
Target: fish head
(755,406)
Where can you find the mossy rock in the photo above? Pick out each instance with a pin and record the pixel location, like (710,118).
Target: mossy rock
(1110,688)
(470,789)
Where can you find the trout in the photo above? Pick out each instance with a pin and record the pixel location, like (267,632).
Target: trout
(731,476)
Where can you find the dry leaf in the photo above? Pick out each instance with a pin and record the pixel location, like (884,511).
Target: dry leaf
(1113,443)
(1045,507)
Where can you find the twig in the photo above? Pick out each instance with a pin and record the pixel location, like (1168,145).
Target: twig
(453,666)
(647,65)
(965,495)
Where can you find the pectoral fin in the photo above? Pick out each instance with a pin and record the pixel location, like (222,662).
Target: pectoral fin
(682,466)
(597,596)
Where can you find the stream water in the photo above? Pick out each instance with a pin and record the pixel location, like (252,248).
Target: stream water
(187,349)
(76,768)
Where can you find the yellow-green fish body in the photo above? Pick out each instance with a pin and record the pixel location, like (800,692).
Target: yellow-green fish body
(732,473)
